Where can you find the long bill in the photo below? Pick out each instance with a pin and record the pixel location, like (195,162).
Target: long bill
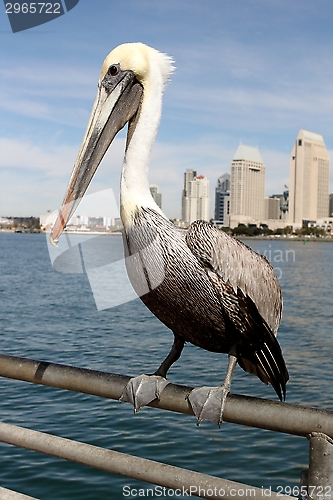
(111,111)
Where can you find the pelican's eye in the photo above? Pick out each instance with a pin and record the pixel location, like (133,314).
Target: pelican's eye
(113,70)
(111,78)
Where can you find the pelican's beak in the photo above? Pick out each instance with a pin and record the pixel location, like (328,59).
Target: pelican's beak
(114,106)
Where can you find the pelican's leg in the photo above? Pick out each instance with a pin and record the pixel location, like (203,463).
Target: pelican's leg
(141,390)
(172,357)
(208,402)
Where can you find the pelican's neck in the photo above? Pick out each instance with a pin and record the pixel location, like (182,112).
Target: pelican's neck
(134,186)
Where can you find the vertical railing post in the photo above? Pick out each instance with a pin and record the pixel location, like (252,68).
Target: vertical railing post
(318,478)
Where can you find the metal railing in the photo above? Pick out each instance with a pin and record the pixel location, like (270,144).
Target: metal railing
(316,425)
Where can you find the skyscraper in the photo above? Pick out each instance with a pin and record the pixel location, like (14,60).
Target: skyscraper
(309,179)
(189,175)
(284,201)
(222,200)
(156,194)
(272,207)
(195,198)
(330,213)
(247,184)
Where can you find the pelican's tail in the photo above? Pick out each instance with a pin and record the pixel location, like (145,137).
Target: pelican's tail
(258,351)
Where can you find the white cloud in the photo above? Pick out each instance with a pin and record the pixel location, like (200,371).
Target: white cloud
(247,86)
(23,155)
(48,92)
(45,78)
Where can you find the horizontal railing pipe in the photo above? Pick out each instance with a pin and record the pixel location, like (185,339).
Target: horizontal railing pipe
(184,482)
(245,410)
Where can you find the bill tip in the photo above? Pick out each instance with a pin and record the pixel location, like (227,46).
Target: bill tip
(54,241)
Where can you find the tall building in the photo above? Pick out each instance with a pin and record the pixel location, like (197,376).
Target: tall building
(247,185)
(272,207)
(157,196)
(189,175)
(195,198)
(309,179)
(222,200)
(284,203)
(330,213)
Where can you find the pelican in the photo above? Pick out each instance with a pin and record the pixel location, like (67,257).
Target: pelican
(215,292)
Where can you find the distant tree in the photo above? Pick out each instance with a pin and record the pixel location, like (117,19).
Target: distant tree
(310,231)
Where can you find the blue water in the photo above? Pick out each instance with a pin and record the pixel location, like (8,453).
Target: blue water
(52,316)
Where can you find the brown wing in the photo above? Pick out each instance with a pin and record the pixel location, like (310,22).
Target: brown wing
(250,297)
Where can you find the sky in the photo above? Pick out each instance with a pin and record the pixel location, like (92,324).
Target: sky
(247,71)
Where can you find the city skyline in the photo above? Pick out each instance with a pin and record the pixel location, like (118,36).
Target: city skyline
(248,78)
(252,152)
(248,160)
(273,205)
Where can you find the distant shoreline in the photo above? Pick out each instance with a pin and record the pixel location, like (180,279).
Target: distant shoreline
(297,238)
(88,233)
(245,237)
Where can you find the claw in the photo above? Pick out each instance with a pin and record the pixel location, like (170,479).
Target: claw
(208,403)
(141,390)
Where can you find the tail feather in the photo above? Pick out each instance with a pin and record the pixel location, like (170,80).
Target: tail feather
(258,351)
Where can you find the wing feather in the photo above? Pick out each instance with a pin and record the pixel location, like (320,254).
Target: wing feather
(240,266)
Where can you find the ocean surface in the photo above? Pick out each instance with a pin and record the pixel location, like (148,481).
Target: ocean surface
(52,316)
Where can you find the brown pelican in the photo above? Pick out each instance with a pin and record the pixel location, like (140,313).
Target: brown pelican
(216,292)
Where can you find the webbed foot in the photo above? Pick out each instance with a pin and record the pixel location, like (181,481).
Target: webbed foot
(208,403)
(141,390)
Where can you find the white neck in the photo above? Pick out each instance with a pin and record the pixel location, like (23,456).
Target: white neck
(134,185)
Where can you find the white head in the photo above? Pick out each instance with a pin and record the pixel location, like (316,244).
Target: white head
(144,61)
